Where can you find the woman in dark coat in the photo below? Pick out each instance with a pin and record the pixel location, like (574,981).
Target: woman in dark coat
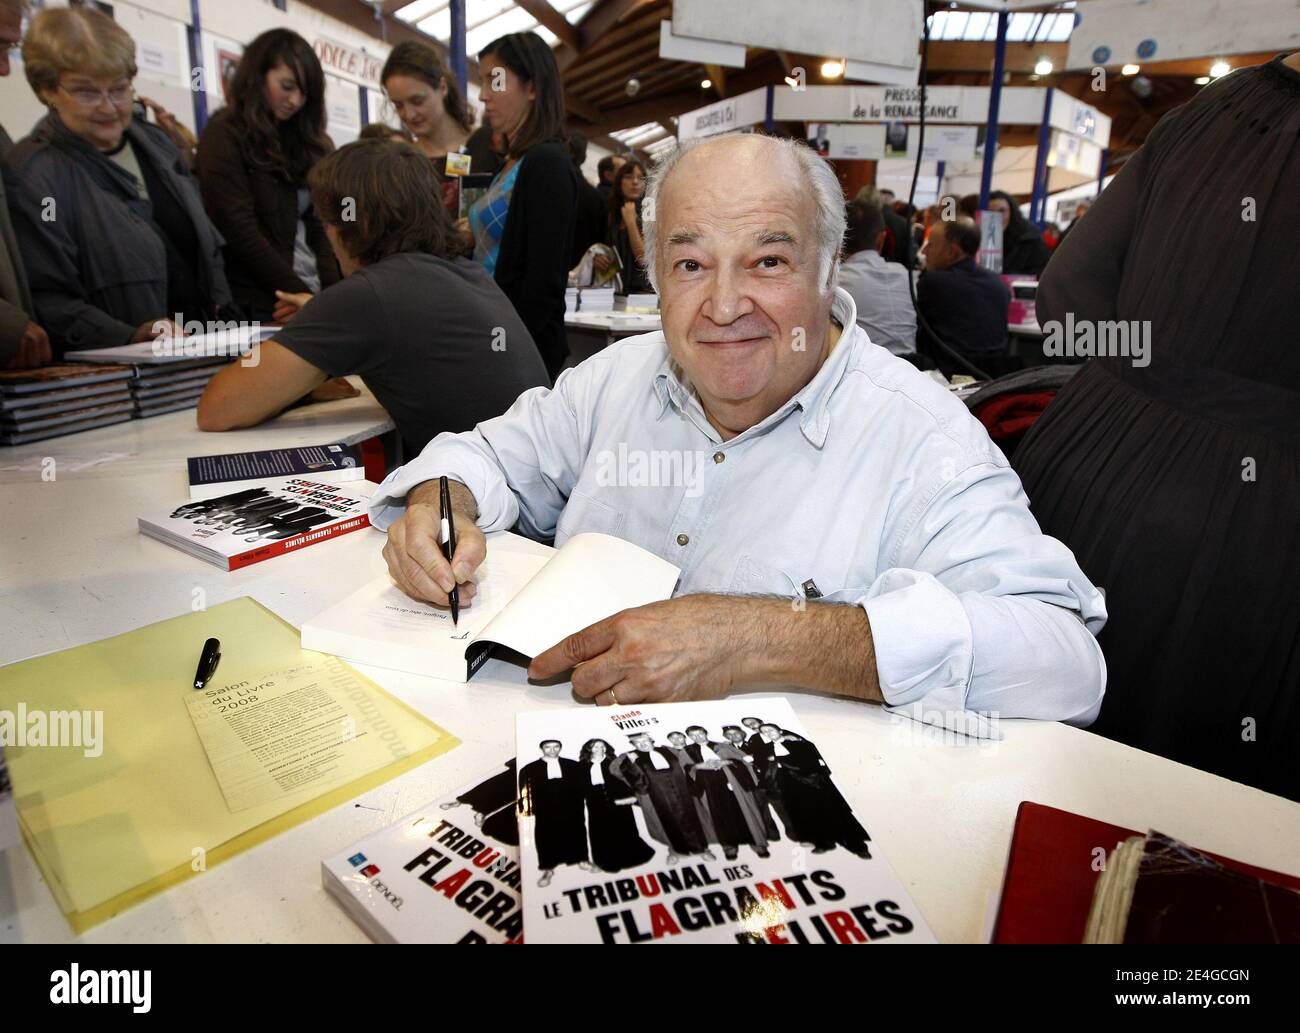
(523,225)
(611,826)
(112,231)
(1175,478)
(253,161)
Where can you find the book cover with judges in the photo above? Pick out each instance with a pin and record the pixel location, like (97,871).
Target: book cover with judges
(711,822)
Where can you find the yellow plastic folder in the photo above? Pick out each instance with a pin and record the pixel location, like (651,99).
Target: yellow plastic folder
(111,830)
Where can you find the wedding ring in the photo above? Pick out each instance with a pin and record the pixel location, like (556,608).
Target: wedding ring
(612,698)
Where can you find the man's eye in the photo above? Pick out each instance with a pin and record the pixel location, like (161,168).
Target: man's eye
(688,265)
(770,261)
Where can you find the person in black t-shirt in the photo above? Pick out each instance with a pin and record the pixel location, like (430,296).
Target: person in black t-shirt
(432,336)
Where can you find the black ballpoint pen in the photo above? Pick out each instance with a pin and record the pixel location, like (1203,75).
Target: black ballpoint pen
(208,660)
(448,537)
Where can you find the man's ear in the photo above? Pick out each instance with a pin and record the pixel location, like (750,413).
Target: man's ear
(880,239)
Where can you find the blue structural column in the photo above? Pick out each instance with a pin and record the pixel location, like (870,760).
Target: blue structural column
(198,85)
(1101,172)
(1038,199)
(939,169)
(995,99)
(456,44)
(769,122)
(365,105)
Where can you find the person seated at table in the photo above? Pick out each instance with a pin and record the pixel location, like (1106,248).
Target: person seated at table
(849,526)
(964,304)
(1024,251)
(432,336)
(879,289)
(253,160)
(111,226)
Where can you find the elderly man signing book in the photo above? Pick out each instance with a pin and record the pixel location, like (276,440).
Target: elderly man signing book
(841,522)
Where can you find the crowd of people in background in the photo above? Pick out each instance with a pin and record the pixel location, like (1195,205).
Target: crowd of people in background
(115,228)
(225,227)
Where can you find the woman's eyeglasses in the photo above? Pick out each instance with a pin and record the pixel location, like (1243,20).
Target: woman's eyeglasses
(89,97)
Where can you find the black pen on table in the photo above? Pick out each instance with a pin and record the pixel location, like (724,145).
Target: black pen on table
(448,538)
(208,660)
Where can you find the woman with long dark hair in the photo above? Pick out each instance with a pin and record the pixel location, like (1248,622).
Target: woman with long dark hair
(625,234)
(254,157)
(611,827)
(1023,251)
(523,224)
(426,98)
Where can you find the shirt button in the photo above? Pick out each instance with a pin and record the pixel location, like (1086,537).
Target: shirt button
(719,456)
(683,539)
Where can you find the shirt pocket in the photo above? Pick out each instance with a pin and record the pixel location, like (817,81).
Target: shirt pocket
(583,514)
(756,577)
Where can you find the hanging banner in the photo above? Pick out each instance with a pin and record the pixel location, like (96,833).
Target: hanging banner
(349,62)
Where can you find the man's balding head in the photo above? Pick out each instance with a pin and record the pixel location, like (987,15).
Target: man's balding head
(756,163)
(951,240)
(743,237)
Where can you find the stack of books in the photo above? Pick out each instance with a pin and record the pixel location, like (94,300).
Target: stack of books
(176,385)
(62,399)
(588,299)
(171,373)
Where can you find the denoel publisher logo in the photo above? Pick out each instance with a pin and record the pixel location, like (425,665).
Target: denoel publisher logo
(93,986)
(387,894)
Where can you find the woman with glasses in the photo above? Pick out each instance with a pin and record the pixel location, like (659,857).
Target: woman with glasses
(624,227)
(110,223)
(254,157)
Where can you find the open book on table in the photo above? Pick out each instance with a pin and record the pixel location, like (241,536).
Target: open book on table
(529,597)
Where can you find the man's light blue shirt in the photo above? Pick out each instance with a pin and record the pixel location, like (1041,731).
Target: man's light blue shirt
(872,486)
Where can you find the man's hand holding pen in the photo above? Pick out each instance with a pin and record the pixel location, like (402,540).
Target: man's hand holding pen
(414,554)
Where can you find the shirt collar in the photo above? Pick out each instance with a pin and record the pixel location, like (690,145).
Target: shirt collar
(865,257)
(814,399)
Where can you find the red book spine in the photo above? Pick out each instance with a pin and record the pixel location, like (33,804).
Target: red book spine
(318,534)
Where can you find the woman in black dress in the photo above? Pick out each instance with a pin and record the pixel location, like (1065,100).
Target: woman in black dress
(1176,478)
(611,827)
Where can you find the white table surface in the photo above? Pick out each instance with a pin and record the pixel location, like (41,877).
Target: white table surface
(615,321)
(144,445)
(73,569)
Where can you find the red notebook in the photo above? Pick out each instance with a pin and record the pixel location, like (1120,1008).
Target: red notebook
(1047,891)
